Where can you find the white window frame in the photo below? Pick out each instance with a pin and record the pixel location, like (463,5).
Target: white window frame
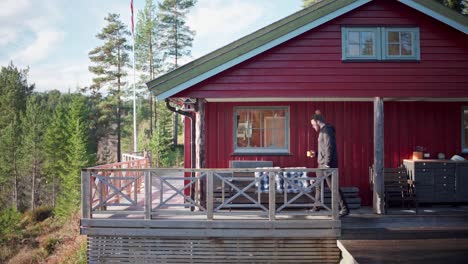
(344,37)
(262,150)
(414,40)
(381,50)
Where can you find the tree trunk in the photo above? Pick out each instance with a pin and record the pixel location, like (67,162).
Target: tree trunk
(151,99)
(176,42)
(54,191)
(176,128)
(15,192)
(33,187)
(15,184)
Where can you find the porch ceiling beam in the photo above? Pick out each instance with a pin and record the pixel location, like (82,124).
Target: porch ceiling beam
(335,99)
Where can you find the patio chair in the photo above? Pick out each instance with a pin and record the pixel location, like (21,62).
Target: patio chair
(398,188)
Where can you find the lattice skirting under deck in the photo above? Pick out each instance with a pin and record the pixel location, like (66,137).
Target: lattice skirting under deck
(110,249)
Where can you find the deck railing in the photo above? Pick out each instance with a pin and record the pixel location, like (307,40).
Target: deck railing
(157,193)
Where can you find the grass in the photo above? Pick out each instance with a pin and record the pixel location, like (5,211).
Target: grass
(41,238)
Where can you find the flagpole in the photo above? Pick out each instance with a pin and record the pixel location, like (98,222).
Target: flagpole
(135,148)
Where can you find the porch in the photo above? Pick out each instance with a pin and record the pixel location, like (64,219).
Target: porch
(192,216)
(437,234)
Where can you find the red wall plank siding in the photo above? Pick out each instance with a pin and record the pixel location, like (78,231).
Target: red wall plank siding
(435,126)
(310,65)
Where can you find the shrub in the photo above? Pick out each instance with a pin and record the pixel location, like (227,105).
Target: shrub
(82,256)
(51,244)
(41,213)
(9,219)
(28,255)
(6,252)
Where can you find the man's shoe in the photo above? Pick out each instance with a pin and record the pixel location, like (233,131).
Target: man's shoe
(315,209)
(344,212)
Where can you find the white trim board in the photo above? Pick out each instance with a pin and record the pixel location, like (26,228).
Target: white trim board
(435,15)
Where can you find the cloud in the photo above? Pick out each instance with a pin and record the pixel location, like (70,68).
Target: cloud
(218,22)
(219,16)
(62,76)
(44,44)
(7,36)
(10,11)
(11,8)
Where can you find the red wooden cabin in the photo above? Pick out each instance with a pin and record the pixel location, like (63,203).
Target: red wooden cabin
(254,97)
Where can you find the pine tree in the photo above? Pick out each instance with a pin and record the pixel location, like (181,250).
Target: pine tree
(77,157)
(33,123)
(465,7)
(14,91)
(457,5)
(454,4)
(55,147)
(306,3)
(111,60)
(147,56)
(176,38)
(160,144)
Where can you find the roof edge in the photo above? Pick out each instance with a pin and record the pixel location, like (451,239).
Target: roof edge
(273,43)
(277,33)
(446,16)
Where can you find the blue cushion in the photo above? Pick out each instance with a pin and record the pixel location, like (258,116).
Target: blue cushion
(297,180)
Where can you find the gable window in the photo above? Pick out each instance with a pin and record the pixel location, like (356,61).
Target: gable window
(401,44)
(361,43)
(465,129)
(380,43)
(261,130)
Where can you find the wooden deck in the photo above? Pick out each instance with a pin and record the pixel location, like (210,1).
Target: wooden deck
(148,215)
(437,234)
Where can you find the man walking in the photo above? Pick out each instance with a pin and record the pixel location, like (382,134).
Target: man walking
(327,156)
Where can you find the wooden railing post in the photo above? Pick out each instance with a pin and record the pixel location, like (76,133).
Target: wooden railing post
(209,195)
(335,194)
(85,195)
(148,184)
(272,196)
(135,186)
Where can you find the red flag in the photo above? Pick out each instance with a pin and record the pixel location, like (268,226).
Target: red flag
(131,8)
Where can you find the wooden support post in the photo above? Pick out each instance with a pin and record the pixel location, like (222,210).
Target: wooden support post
(209,195)
(378,180)
(200,144)
(335,194)
(271,196)
(148,184)
(86,195)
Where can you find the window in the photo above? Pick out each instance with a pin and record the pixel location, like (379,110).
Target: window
(465,129)
(401,44)
(261,130)
(361,43)
(380,43)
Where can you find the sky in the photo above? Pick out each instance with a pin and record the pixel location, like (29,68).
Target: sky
(53,37)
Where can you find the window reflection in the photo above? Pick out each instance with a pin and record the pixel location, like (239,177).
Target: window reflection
(261,128)
(361,43)
(400,43)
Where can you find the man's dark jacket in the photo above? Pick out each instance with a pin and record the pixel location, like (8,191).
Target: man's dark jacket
(327,153)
